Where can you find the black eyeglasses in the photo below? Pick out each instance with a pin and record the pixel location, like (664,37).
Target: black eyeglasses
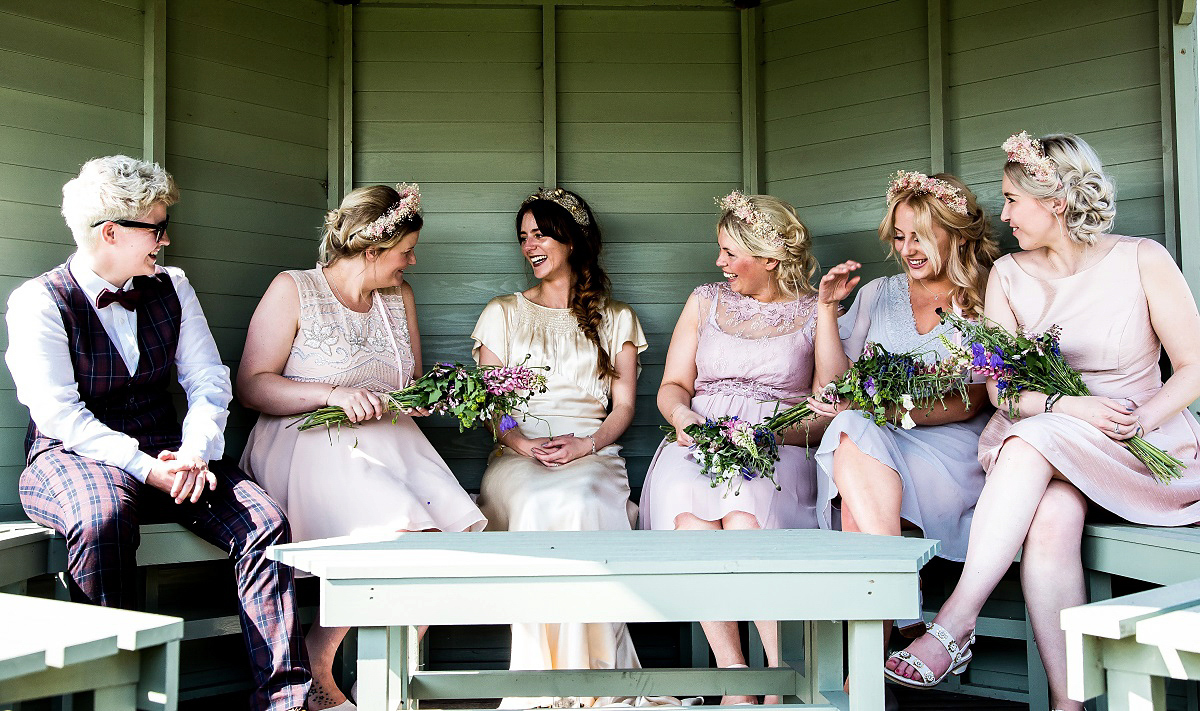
(160,228)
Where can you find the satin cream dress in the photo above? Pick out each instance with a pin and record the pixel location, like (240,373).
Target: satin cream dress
(591,493)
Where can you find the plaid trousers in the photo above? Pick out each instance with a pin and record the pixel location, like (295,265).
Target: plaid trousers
(98,508)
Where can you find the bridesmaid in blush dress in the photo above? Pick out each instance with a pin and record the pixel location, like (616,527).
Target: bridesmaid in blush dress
(742,347)
(1119,301)
(340,334)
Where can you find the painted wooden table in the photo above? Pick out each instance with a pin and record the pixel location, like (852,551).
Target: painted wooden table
(130,660)
(814,582)
(1127,646)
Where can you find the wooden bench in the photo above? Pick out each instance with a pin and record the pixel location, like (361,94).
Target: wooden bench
(812,581)
(1125,647)
(128,660)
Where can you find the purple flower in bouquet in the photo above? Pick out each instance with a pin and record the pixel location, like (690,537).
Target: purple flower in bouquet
(869,387)
(507,422)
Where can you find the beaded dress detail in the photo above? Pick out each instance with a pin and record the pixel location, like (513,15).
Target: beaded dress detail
(937,465)
(377,477)
(751,357)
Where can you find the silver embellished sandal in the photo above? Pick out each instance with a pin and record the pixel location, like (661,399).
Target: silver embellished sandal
(959,658)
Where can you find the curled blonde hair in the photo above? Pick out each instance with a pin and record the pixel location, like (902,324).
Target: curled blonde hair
(1089,193)
(362,206)
(114,188)
(973,249)
(797,264)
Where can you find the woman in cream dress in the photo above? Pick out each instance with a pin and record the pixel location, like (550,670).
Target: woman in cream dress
(1120,301)
(560,469)
(340,334)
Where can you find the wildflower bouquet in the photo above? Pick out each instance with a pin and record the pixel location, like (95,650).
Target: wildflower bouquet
(880,382)
(1025,361)
(488,394)
(731,450)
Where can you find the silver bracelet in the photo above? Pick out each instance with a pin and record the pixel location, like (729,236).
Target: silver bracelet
(1051,400)
(593,438)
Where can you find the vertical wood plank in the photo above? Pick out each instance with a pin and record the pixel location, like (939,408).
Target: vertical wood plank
(154,82)
(751,61)
(865,639)
(1129,691)
(549,95)
(1187,146)
(374,653)
(338,104)
(1166,98)
(347,142)
(939,148)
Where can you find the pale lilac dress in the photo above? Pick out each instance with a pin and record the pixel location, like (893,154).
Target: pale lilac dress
(372,479)
(750,356)
(1108,337)
(938,465)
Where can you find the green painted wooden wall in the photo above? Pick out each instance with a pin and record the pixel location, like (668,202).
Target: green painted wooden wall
(648,131)
(646,114)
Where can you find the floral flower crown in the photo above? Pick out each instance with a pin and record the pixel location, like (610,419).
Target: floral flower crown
(741,207)
(1026,150)
(563,199)
(917,183)
(404,209)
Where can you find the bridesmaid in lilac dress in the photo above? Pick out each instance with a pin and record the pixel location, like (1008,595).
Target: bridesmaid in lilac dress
(1119,302)
(740,347)
(927,477)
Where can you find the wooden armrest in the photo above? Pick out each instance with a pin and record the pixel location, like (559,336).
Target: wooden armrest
(1118,618)
(1179,630)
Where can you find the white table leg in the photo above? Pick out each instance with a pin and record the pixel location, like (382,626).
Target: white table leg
(373,656)
(866,664)
(404,661)
(1129,691)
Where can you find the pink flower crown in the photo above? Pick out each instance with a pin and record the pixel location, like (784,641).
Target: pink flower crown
(1026,150)
(917,183)
(741,207)
(404,209)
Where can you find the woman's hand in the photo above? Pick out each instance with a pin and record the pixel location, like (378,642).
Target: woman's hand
(416,412)
(683,417)
(358,403)
(523,445)
(823,408)
(559,450)
(1114,418)
(837,283)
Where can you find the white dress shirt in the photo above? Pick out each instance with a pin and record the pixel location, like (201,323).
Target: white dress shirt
(40,361)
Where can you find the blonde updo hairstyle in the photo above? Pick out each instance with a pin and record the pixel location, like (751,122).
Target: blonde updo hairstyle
(361,207)
(972,250)
(797,265)
(1089,194)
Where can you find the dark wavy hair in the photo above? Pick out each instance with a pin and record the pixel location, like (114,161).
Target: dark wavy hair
(591,287)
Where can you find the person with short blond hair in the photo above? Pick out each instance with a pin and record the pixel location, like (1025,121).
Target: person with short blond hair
(92,346)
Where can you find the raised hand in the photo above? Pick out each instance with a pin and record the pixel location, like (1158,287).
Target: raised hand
(837,283)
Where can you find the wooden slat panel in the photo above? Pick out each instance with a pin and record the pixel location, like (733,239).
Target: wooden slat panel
(61,117)
(119,23)
(908,111)
(843,60)
(247,85)
(873,21)
(67,81)
(445,19)
(196,40)
(246,118)
(1045,18)
(53,41)
(242,23)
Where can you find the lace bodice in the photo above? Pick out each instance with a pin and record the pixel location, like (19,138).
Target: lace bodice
(882,313)
(339,346)
(754,349)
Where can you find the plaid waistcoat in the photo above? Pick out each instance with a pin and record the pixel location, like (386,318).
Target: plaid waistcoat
(138,405)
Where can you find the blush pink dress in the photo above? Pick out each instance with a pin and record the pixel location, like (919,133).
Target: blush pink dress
(372,479)
(750,356)
(1108,337)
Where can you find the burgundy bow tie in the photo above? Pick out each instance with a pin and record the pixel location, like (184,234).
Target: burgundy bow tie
(128,298)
